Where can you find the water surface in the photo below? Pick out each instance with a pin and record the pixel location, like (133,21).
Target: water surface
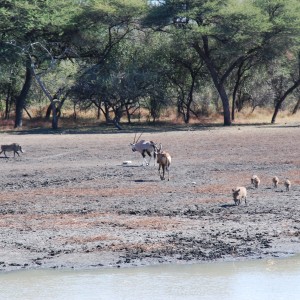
(263,279)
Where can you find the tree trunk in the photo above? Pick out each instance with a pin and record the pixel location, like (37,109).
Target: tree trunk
(298,102)
(217,80)
(118,113)
(222,92)
(190,99)
(187,116)
(296,107)
(7,103)
(53,104)
(98,112)
(233,109)
(97,103)
(235,90)
(54,116)
(21,99)
(74,111)
(48,112)
(128,113)
(116,123)
(106,112)
(277,107)
(281,100)
(28,114)
(226,107)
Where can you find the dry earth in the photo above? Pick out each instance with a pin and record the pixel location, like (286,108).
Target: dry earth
(69,202)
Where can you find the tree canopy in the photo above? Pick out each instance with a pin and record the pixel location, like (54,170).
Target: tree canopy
(138,54)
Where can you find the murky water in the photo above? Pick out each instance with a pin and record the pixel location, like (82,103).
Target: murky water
(271,279)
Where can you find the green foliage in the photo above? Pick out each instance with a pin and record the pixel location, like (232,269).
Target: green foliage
(127,54)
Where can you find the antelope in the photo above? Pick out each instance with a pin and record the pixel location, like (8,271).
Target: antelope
(144,147)
(164,162)
(9,148)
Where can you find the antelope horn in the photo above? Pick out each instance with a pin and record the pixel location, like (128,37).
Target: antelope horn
(139,137)
(134,138)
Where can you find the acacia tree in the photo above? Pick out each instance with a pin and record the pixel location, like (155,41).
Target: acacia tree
(220,33)
(31,34)
(9,87)
(297,106)
(284,17)
(101,29)
(238,80)
(227,33)
(284,80)
(117,86)
(43,32)
(185,71)
(269,84)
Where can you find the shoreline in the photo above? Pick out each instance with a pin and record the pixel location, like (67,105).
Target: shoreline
(144,265)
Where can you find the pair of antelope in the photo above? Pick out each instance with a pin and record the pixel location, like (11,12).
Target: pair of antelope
(148,147)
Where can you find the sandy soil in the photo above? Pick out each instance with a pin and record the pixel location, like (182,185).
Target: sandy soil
(69,202)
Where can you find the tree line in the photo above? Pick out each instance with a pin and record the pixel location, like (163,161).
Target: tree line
(118,56)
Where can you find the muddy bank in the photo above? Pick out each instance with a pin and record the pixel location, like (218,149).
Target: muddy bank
(69,202)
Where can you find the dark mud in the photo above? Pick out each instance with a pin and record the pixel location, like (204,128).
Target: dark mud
(68,202)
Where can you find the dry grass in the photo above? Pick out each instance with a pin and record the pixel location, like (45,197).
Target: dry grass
(264,116)
(153,247)
(6,124)
(169,116)
(90,239)
(157,223)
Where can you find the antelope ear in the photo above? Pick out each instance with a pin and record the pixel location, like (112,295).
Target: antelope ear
(233,190)
(238,190)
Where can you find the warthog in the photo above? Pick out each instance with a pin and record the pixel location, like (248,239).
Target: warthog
(287,185)
(275,181)
(255,180)
(9,148)
(238,194)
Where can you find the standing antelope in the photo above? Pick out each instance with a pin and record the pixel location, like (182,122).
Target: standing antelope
(164,162)
(12,147)
(144,147)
